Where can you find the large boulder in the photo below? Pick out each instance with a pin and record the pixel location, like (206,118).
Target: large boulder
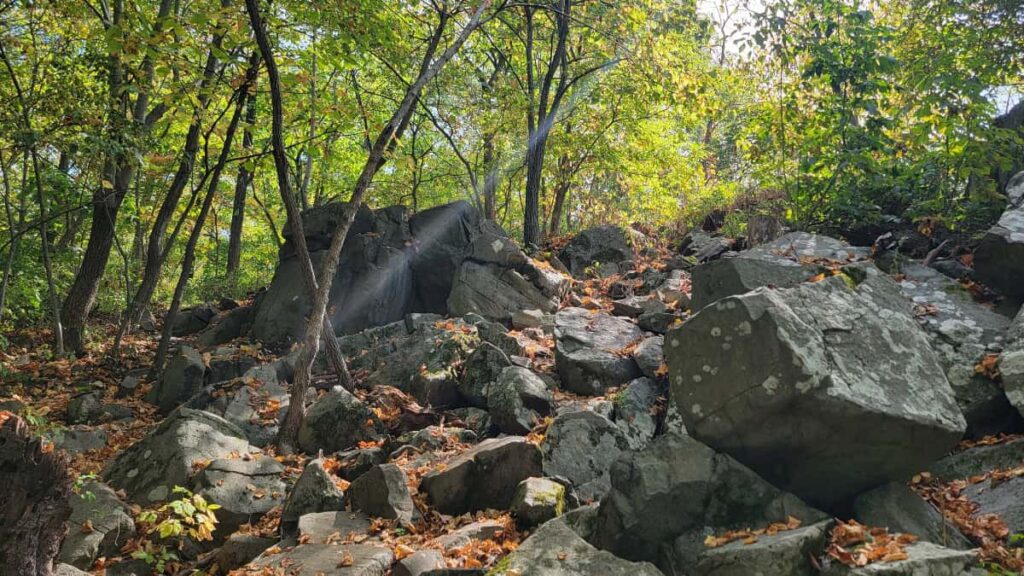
(149,470)
(784,262)
(182,378)
(999,258)
(373,284)
(785,553)
(896,507)
(484,476)
(592,350)
(923,558)
(314,491)
(441,237)
(962,332)
(518,400)
(497,279)
(191,320)
(817,387)
(666,495)
(334,559)
(602,247)
(100,525)
(255,403)
(555,550)
(338,421)
(581,447)
(383,492)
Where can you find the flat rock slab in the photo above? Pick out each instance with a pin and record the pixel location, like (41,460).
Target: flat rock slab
(1004,499)
(978,460)
(314,559)
(816,387)
(896,507)
(555,550)
(787,553)
(926,559)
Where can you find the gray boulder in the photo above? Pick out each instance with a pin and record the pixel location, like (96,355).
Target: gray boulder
(358,461)
(649,355)
(255,403)
(79,439)
(555,550)
(784,262)
(318,527)
(633,411)
(383,492)
(226,326)
(978,460)
(228,362)
(182,378)
(244,489)
(602,246)
(925,559)
(442,236)
(536,501)
(810,385)
(962,332)
(337,560)
(1005,499)
(314,491)
(785,553)
(191,320)
(518,400)
(240,549)
(896,507)
(677,487)
(100,524)
(419,563)
(149,469)
(592,350)
(999,258)
(1011,363)
(337,421)
(483,367)
(484,476)
(582,446)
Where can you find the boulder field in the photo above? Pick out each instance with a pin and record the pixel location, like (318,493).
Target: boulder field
(617,417)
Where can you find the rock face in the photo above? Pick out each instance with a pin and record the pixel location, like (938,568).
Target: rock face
(373,285)
(676,487)
(602,247)
(497,279)
(182,378)
(446,259)
(816,387)
(999,258)
(581,446)
(485,476)
(555,550)
(248,402)
(1004,499)
(314,491)
(787,553)
(896,507)
(149,469)
(784,262)
(110,523)
(962,332)
(592,350)
(337,421)
(244,489)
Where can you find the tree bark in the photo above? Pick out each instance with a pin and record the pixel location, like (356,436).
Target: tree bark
(241,186)
(34,506)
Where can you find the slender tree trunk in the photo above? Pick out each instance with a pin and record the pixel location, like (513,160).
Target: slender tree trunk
(534,181)
(12,227)
(188,260)
(241,186)
(384,144)
(157,249)
(490,178)
(118,171)
(334,354)
(58,330)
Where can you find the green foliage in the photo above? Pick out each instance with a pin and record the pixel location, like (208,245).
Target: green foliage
(190,516)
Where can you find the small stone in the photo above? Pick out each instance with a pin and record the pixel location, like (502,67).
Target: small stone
(419,563)
(314,491)
(536,501)
(383,492)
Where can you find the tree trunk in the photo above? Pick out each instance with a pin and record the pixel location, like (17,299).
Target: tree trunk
(12,227)
(34,506)
(382,146)
(58,330)
(534,181)
(334,354)
(188,261)
(241,185)
(119,169)
(490,178)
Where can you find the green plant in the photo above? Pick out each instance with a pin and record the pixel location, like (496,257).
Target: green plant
(190,516)
(79,485)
